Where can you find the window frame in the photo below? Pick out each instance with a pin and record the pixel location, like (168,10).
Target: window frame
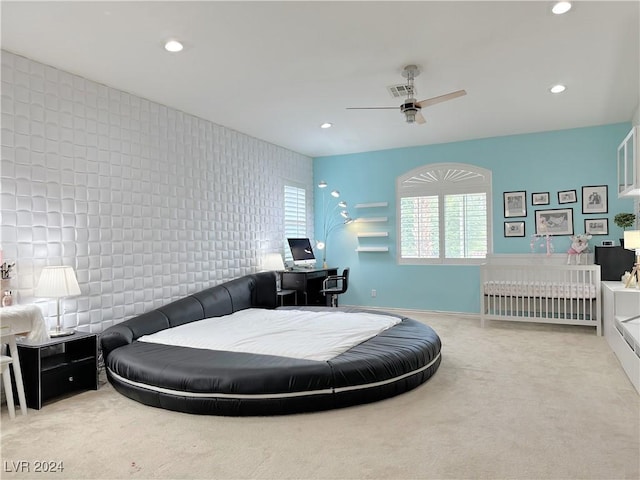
(304,214)
(441,179)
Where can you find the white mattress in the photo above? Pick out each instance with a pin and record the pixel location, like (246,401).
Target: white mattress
(310,335)
(540,289)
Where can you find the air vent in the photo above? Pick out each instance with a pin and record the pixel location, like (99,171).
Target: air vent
(402,91)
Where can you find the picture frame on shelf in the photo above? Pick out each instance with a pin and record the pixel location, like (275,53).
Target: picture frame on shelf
(514,229)
(596,226)
(595,199)
(540,198)
(567,196)
(554,221)
(515,204)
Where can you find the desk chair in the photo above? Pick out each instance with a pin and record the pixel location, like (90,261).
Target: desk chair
(6,379)
(339,285)
(7,336)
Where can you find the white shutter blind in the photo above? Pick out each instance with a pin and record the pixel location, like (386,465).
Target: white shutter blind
(295,216)
(465,225)
(420,233)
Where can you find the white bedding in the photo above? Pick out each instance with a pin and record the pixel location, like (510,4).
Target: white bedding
(302,334)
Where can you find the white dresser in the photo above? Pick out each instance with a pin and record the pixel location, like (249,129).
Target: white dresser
(621,322)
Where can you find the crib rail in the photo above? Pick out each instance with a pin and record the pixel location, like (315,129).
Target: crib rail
(562,294)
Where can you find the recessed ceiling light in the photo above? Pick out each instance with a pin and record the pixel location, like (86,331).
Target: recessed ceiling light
(561,7)
(173,46)
(557,88)
(326,125)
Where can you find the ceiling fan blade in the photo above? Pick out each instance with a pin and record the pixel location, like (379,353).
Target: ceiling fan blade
(420,118)
(442,98)
(372,108)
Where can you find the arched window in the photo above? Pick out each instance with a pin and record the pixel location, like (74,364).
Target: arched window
(444,214)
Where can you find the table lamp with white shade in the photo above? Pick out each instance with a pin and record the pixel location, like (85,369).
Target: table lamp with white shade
(57,282)
(632,242)
(273,262)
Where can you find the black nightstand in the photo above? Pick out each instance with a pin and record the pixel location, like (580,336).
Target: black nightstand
(58,366)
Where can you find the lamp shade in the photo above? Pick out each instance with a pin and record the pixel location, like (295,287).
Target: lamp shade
(273,261)
(57,282)
(632,239)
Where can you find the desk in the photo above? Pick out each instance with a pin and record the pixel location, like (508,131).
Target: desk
(283,293)
(309,283)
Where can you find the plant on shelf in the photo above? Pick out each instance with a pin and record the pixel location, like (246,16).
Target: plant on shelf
(624,220)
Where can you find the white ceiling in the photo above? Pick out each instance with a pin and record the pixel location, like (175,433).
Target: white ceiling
(277,70)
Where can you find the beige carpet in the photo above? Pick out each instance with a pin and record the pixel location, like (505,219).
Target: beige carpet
(509,401)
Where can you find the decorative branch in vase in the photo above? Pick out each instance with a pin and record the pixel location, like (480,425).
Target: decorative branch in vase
(5,270)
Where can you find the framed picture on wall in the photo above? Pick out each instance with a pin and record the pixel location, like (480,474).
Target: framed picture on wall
(540,198)
(596,226)
(515,204)
(555,221)
(594,199)
(514,229)
(567,196)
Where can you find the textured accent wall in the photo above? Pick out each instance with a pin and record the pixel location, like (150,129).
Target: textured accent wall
(147,203)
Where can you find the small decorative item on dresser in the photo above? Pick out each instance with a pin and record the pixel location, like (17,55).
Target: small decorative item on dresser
(5,270)
(7,298)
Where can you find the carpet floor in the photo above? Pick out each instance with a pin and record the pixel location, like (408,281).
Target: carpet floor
(510,401)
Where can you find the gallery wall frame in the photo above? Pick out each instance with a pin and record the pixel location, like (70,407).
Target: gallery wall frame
(514,229)
(515,204)
(596,226)
(540,198)
(595,199)
(554,221)
(567,196)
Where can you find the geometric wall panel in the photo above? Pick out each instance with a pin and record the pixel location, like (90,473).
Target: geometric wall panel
(147,203)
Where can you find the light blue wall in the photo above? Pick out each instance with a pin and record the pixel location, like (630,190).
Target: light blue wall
(540,162)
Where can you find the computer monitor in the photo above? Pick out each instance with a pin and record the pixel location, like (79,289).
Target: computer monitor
(302,252)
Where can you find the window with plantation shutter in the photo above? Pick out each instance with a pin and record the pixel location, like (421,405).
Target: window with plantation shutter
(444,213)
(295,216)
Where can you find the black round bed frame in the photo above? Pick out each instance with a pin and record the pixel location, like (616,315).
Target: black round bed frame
(231,383)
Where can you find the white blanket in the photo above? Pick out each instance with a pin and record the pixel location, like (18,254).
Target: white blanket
(19,319)
(302,334)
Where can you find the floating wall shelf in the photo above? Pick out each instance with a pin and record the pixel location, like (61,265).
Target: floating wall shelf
(371,219)
(372,234)
(372,205)
(372,249)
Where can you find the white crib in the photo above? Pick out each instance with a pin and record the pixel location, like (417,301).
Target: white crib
(540,288)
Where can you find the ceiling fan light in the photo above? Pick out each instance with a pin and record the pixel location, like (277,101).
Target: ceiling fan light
(411,117)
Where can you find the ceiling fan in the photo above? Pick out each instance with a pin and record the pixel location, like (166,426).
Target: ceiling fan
(411,108)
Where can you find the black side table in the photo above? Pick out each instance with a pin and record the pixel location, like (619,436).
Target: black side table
(58,366)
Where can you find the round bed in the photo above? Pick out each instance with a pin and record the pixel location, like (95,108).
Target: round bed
(203,381)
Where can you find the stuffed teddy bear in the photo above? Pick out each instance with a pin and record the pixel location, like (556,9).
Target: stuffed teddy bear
(579,245)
